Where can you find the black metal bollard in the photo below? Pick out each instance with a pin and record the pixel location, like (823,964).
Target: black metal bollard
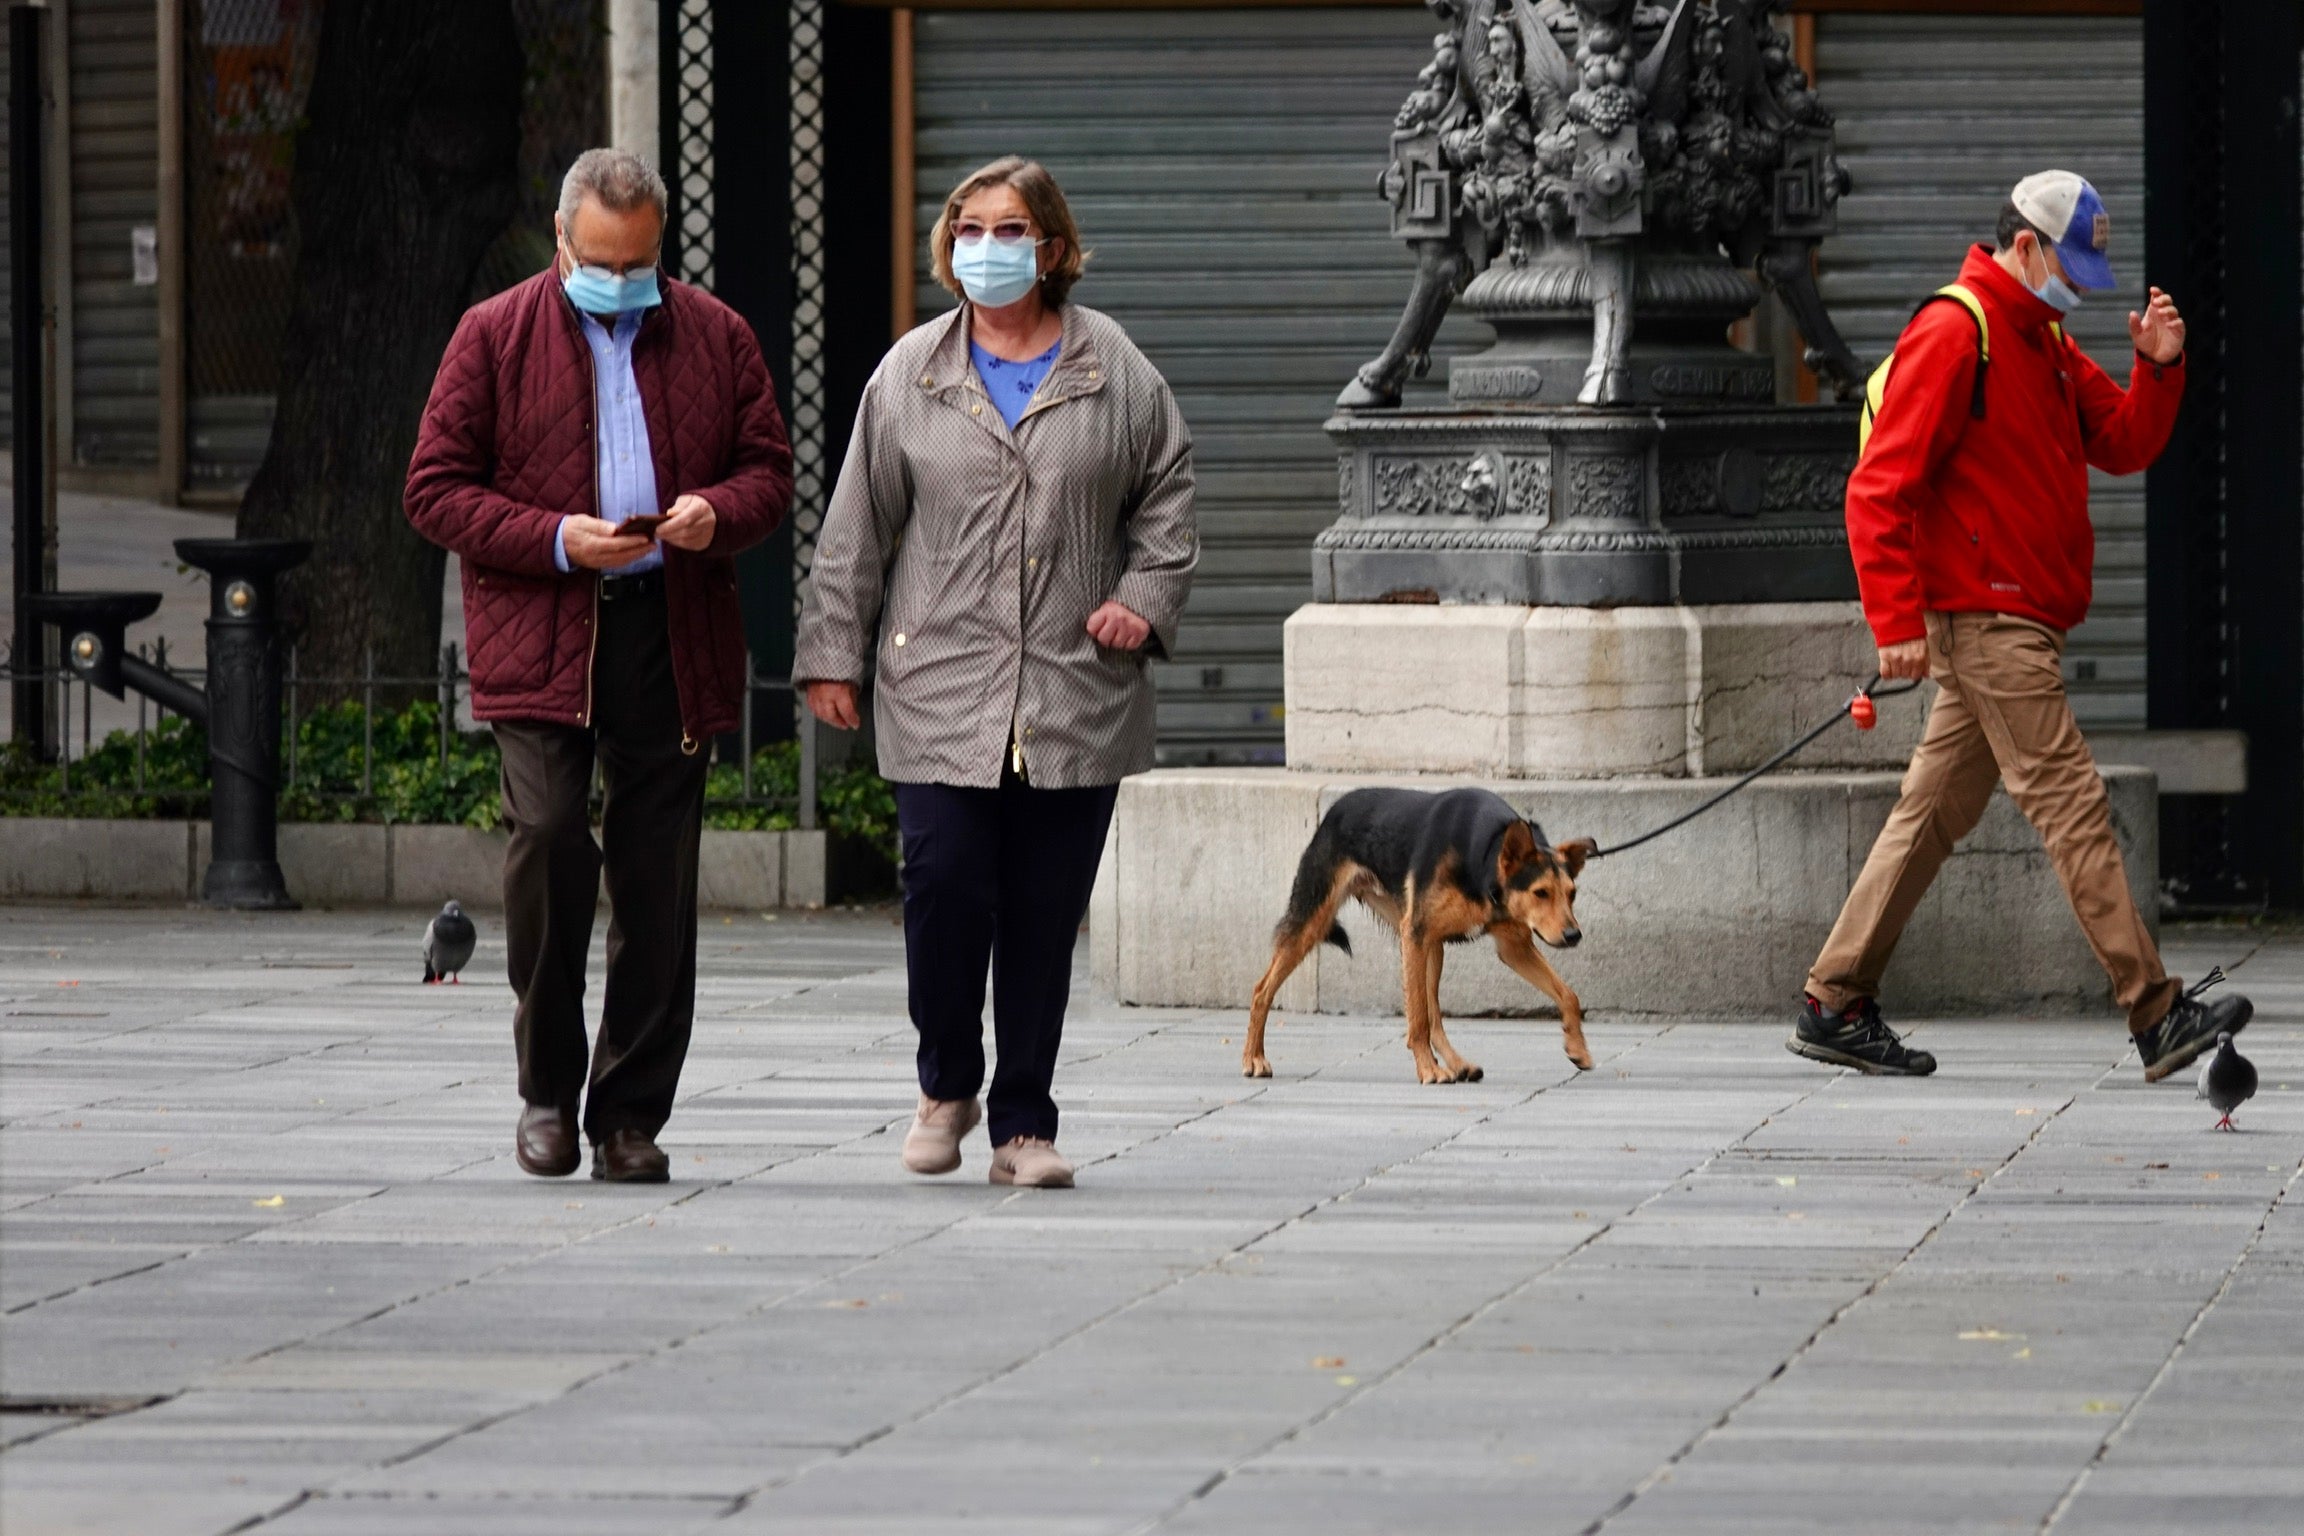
(244,662)
(240,708)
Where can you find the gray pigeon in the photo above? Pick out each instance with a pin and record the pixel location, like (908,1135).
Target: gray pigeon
(448,942)
(2227,1081)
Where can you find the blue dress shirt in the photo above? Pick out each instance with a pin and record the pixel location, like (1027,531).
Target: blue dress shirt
(627,470)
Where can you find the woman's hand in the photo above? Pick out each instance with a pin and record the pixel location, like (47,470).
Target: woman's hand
(1118,627)
(835,705)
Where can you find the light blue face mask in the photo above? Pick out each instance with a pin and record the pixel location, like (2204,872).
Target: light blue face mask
(598,291)
(2054,292)
(995,275)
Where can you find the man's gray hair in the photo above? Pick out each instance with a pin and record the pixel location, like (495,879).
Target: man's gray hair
(620,179)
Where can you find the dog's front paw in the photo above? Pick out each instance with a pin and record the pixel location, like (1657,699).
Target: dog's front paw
(1255,1066)
(1433,1072)
(1469,1073)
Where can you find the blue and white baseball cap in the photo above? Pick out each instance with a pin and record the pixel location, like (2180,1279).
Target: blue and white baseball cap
(2063,206)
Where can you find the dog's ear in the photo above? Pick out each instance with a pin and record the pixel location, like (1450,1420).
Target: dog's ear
(1573,855)
(1516,851)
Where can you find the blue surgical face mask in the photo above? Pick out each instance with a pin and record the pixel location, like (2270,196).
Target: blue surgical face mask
(598,291)
(995,275)
(2053,291)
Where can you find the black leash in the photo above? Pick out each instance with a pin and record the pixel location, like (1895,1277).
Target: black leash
(1871,690)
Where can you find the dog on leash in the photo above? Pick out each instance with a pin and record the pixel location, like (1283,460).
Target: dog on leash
(1439,868)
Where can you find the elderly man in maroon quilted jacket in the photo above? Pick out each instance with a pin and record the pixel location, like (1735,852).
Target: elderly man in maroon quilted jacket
(599,445)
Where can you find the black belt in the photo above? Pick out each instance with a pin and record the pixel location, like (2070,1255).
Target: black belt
(624,589)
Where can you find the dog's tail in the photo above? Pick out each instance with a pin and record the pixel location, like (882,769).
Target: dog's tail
(1315,880)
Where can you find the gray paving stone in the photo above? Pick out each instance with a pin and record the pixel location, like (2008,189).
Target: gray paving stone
(249,1168)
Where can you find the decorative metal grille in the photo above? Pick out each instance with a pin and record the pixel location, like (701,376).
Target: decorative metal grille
(689,51)
(806,407)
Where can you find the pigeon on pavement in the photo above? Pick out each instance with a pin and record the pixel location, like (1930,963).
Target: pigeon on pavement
(448,943)
(2227,1081)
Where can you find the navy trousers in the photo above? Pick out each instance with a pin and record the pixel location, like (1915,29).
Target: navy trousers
(996,877)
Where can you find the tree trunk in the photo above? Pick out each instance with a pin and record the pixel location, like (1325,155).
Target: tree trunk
(407,169)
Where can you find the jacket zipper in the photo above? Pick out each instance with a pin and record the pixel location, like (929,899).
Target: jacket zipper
(592,446)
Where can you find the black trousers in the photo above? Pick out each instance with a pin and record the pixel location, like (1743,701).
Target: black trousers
(999,876)
(651,827)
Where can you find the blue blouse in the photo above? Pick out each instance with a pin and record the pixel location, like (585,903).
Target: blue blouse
(1012,385)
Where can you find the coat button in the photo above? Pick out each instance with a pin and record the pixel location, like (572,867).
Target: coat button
(899,638)
(1034,562)
(925,381)
(975,410)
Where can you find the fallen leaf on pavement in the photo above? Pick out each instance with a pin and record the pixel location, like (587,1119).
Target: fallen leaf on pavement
(276,1200)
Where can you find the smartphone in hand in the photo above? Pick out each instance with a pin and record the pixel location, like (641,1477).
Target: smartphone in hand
(645,524)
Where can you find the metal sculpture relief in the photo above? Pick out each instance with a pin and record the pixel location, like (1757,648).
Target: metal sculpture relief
(1616,160)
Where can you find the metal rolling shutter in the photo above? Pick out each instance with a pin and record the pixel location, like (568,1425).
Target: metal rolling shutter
(1939,117)
(1222,165)
(115,187)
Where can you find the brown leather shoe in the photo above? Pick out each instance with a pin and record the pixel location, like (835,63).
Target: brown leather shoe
(627,1157)
(545,1142)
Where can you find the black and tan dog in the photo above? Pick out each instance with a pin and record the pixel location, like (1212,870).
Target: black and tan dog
(1440,868)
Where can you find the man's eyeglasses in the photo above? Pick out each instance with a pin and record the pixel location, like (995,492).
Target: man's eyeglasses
(1006,232)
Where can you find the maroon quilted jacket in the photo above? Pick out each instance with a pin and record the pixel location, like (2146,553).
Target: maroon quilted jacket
(506,450)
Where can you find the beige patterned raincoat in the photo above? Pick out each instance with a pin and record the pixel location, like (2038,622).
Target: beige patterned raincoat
(966,558)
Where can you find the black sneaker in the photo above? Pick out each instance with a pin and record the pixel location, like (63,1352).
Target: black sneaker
(2191,1027)
(1857,1038)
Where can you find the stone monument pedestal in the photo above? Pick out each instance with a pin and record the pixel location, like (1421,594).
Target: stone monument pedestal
(1598,723)
(1581,693)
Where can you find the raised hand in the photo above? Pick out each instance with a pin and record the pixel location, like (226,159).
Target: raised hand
(2158,333)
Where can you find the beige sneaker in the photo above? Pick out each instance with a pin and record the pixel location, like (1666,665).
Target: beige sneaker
(938,1128)
(1031,1162)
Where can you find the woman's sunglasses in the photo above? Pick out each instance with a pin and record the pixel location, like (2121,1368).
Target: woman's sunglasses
(1006,232)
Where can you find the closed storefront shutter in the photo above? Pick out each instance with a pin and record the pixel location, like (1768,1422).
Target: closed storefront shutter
(1939,118)
(115,189)
(1223,166)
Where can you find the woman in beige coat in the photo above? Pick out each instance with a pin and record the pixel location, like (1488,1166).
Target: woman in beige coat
(1011,537)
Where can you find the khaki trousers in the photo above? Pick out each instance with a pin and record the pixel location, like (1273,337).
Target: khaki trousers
(2000,717)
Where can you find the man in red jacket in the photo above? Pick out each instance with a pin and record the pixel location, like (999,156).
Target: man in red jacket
(1968,521)
(594,393)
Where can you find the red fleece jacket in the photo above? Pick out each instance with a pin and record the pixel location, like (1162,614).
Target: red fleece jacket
(1960,515)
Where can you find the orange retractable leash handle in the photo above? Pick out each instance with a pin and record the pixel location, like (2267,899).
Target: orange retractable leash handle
(1859,708)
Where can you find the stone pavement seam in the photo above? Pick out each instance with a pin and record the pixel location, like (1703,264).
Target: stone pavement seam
(2104,1448)
(1362,1389)
(1728,1414)
(839,1453)
(478,1425)
(130,1173)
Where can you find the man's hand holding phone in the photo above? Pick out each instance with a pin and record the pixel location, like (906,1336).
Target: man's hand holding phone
(596,544)
(689,524)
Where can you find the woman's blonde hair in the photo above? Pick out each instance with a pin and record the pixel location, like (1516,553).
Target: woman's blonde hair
(1043,199)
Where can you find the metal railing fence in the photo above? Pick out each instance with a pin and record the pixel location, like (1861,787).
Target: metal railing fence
(305,696)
